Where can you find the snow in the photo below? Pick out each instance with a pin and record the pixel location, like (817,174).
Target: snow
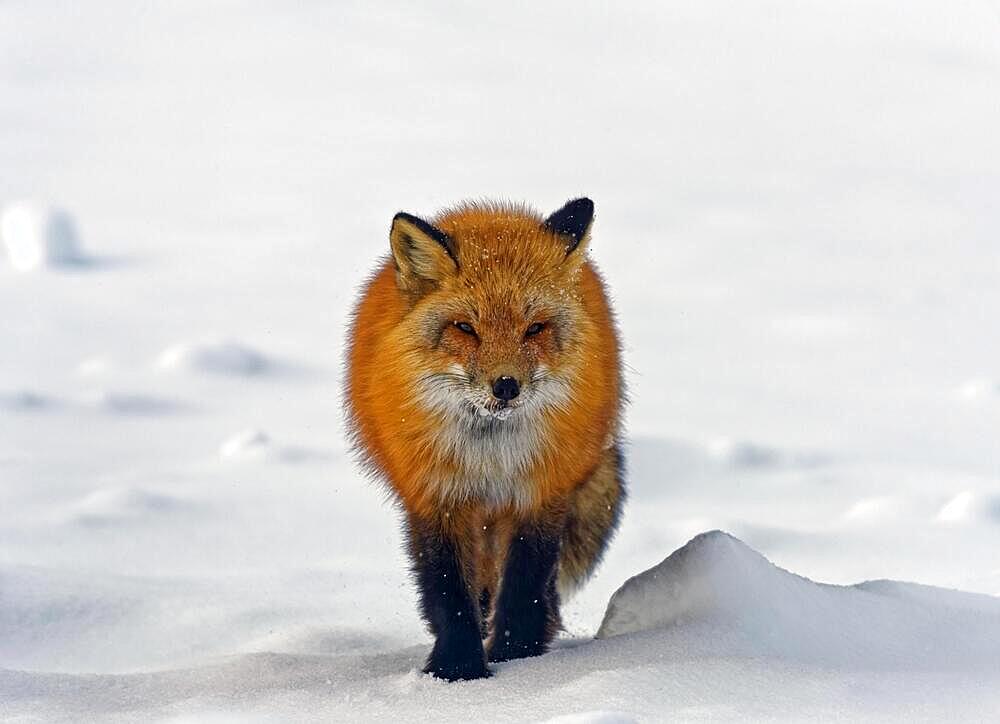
(969,506)
(978,389)
(37,235)
(223,357)
(249,443)
(715,631)
(593,717)
(130,403)
(113,506)
(719,597)
(795,213)
(23,400)
(257,445)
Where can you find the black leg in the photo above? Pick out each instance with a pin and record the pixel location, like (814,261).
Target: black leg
(447,606)
(526,615)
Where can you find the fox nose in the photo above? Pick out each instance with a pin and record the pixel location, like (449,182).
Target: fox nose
(506,389)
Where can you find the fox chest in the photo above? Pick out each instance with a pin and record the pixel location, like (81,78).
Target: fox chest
(490,463)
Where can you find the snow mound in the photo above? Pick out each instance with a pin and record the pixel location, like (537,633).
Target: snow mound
(743,454)
(980,388)
(221,357)
(36,235)
(724,598)
(113,506)
(876,509)
(252,444)
(663,467)
(256,444)
(969,506)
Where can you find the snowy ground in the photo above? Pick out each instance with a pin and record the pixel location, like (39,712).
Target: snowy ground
(796,212)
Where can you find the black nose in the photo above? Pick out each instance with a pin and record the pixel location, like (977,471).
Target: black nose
(506,389)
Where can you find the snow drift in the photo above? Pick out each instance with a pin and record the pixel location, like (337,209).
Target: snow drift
(727,599)
(36,235)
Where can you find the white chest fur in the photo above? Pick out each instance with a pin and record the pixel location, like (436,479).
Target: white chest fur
(492,457)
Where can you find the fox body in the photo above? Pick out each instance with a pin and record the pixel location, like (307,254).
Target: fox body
(484,389)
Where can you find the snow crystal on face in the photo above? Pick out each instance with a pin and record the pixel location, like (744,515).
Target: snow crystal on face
(36,235)
(222,357)
(724,598)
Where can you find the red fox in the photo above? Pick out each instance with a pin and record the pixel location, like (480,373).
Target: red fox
(484,389)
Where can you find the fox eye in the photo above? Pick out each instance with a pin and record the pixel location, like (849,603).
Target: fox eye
(534,329)
(465,327)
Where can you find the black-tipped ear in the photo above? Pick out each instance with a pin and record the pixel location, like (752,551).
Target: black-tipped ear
(572,220)
(423,253)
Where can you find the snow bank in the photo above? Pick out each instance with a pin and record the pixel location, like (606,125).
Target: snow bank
(36,235)
(727,599)
(222,357)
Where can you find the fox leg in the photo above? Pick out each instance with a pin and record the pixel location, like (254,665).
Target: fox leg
(440,563)
(526,608)
(497,531)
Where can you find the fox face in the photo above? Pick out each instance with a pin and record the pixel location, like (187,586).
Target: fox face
(497,322)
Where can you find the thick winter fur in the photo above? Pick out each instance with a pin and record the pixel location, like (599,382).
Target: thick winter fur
(510,503)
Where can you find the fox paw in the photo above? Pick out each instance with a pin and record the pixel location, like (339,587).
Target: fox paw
(457,664)
(458,670)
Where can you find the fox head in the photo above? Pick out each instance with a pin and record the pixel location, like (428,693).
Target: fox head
(497,322)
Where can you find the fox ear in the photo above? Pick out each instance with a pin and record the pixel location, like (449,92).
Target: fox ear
(572,222)
(422,252)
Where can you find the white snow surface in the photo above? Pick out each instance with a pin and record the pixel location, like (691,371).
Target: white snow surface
(36,235)
(713,631)
(796,216)
(224,357)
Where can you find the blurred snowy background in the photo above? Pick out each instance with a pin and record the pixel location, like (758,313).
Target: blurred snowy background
(797,216)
